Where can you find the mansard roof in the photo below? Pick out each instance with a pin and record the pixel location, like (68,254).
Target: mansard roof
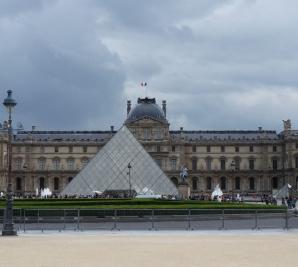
(104,136)
(225,135)
(65,136)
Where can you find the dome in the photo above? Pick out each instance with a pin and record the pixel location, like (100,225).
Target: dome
(146,108)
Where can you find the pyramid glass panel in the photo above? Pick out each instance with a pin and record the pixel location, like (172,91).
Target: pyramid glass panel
(108,170)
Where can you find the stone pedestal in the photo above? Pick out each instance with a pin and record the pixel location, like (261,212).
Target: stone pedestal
(184,190)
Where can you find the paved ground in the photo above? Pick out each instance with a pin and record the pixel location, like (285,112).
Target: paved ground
(147,248)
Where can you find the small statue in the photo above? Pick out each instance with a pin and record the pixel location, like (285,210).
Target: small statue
(183,173)
(287,124)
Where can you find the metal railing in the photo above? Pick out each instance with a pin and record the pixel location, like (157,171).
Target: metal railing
(151,219)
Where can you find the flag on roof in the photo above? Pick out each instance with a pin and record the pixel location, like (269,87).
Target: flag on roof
(143,84)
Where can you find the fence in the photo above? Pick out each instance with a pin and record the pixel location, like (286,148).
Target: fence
(151,219)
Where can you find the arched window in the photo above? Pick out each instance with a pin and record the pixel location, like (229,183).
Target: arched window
(70,163)
(237,183)
(223,183)
(208,163)
(174,180)
(56,163)
(251,183)
(41,163)
(274,183)
(56,183)
(195,183)
(222,164)
(41,183)
(19,184)
(209,183)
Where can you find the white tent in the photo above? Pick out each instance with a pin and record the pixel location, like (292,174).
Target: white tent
(216,192)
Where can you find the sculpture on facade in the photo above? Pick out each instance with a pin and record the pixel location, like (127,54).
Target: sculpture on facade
(183,173)
(287,124)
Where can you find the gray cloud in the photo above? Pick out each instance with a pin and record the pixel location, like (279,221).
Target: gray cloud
(220,64)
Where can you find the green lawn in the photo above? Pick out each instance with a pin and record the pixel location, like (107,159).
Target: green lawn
(130,204)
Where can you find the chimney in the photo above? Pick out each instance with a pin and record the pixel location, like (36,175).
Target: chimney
(33,128)
(164,107)
(260,129)
(181,129)
(128,106)
(112,128)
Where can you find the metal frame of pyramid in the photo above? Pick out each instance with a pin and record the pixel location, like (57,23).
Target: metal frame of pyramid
(108,170)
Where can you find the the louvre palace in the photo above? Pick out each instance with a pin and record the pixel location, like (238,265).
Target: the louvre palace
(256,161)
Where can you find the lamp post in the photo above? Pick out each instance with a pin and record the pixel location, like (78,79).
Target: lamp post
(129,183)
(8,226)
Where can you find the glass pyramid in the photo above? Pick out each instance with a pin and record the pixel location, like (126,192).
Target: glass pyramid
(108,170)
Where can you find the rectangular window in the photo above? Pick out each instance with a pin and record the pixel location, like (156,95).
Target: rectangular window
(222,149)
(41,164)
(237,183)
(70,149)
(56,164)
(19,149)
(208,149)
(56,183)
(274,164)
(237,164)
(236,148)
(158,148)
(56,149)
(194,148)
(19,184)
(194,164)
(173,164)
(70,164)
(84,149)
(296,145)
(251,148)
(208,164)
(18,163)
(209,183)
(222,164)
(146,134)
(84,162)
(173,148)
(27,149)
(42,149)
(274,148)
(251,183)
(251,164)
(194,183)
(296,162)
(158,134)
(274,183)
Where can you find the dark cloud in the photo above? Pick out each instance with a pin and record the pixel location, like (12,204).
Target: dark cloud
(220,64)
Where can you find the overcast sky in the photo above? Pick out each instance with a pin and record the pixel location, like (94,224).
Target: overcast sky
(73,64)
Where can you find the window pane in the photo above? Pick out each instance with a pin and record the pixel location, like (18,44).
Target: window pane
(237,183)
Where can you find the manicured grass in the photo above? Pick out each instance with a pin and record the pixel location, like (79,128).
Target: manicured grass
(129,204)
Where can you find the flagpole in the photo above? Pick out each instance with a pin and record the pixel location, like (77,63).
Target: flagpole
(144,84)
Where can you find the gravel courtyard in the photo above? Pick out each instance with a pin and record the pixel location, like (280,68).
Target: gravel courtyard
(164,248)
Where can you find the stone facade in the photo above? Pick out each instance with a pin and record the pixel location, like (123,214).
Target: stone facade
(253,162)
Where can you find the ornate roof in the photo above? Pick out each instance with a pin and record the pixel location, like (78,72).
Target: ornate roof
(146,109)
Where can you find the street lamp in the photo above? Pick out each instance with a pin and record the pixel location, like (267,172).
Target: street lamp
(8,226)
(129,167)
